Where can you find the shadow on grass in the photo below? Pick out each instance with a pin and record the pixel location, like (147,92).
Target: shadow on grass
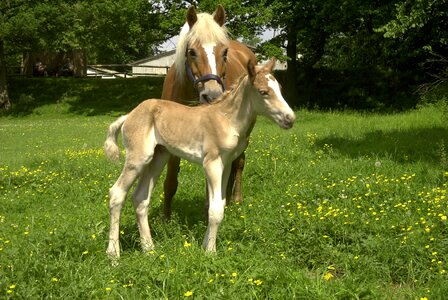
(188,218)
(403,146)
(83,96)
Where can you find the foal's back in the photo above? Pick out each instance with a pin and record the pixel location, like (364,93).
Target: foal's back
(174,121)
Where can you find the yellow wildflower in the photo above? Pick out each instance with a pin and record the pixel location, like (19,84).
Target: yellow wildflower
(328,276)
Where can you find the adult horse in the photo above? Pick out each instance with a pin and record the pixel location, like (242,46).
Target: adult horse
(206,64)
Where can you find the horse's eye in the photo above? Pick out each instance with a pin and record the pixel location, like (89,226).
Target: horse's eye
(192,53)
(224,55)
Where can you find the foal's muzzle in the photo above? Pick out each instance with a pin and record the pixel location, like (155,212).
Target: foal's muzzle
(288,121)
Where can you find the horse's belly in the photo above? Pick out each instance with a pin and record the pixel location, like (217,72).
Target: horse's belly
(239,148)
(190,152)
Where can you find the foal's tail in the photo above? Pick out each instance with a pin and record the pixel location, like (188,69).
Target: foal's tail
(110,145)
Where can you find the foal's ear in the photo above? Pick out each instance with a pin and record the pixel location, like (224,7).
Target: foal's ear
(270,65)
(219,15)
(191,16)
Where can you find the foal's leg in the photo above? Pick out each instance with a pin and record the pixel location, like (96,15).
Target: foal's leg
(170,185)
(142,195)
(226,182)
(214,172)
(117,195)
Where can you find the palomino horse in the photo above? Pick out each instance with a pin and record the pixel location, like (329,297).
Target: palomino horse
(206,62)
(211,135)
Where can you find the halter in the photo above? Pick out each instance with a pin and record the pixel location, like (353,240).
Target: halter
(204,78)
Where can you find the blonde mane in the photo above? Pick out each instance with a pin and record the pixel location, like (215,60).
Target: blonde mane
(204,31)
(234,88)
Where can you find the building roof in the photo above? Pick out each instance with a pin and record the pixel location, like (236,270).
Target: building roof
(152,58)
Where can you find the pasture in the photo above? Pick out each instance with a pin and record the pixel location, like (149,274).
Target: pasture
(344,205)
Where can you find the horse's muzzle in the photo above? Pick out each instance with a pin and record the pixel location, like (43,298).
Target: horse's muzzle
(208,95)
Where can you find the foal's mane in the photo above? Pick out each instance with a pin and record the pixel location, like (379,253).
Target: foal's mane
(235,87)
(204,31)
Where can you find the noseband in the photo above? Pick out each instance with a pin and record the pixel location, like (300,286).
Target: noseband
(204,78)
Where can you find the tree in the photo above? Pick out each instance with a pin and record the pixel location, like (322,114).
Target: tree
(9,16)
(26,25)
(4,97)
(423,26)
(110,31)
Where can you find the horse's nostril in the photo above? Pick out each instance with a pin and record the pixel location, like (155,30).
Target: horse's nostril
(205,98)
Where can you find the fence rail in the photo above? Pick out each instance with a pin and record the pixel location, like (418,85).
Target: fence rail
(107,71)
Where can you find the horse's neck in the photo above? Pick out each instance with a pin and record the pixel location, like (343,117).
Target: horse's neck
(238,107)
(183,91)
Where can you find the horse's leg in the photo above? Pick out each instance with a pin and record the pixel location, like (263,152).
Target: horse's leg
(231,182)
(225,181)
(238,165)
(214,172)
(142,195)
(233,188)
(170,185)
(117,195)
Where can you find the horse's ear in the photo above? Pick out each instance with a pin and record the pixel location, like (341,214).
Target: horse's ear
(270,65)
(251,70)
(220,15)
(192,17)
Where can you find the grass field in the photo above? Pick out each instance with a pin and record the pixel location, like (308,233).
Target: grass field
(342,206)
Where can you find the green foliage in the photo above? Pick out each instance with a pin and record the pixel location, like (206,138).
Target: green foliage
(328,44)
(111,31)
(343,205)
(414,16)
(363,53)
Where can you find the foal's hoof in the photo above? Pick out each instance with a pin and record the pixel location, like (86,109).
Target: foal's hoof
(209,249)
(114,260)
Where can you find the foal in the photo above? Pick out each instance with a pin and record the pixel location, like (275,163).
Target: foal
(211,135)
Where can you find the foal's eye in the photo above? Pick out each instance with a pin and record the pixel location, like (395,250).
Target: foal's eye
(192,53)
(264,92)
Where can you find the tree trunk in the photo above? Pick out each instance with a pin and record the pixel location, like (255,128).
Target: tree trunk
(4,98)
(291,84)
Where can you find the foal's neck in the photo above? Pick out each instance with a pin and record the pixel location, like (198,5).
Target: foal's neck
(237,105)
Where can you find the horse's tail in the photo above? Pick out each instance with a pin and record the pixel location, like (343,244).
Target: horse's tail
(110,145)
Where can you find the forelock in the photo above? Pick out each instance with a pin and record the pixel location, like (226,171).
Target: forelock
(204,31)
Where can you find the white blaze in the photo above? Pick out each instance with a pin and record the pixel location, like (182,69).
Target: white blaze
(208,48)
(273,84)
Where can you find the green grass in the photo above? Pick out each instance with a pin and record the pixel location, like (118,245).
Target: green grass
(342,206)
